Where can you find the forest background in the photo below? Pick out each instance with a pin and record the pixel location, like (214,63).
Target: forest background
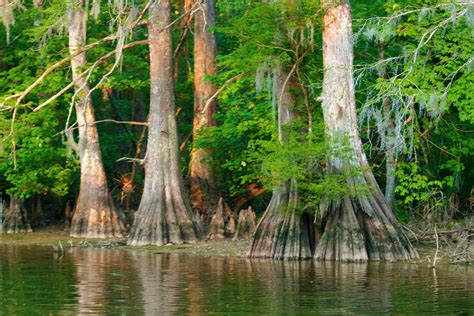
(414,96)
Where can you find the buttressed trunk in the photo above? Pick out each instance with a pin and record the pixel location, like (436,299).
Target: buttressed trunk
(95,215)
(282,233)
(203,197)
(361,227)
(16,220)
(164,215)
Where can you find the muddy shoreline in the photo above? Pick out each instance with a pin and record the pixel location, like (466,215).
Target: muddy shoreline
(56,237)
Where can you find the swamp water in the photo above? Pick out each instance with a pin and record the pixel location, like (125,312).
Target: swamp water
(36,281)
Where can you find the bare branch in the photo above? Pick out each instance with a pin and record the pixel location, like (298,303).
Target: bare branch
(219,91)
(89,70)
(122,122)
(135,160)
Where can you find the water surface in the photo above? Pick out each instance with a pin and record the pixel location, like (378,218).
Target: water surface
(34,281)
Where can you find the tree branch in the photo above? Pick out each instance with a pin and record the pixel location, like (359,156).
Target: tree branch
(122,122)
(219,91)
(90,69)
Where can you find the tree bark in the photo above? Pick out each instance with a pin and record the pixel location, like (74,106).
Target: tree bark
(362,226)
(95,215)
(37,216)
(390,150)
(246,224)
(164,215)
(16,220)
(217,227)
(203,192)
(390,155)
(282,233)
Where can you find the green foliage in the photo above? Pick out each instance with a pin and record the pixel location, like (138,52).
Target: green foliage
(414,187)
(257,37)
(302,160)
(427,75)
(230,142)
(39,164)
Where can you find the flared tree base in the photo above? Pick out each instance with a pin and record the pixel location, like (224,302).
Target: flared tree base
(282,233)
(359,230)
(96,217)
(161,224)
(16,220)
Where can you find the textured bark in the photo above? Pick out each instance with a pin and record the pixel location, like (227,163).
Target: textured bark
(362,227)
(230,228)
(390,156)
(16,220)
(217,226)
(203,192)
(164,215)
(95,215)
(246,224)
(390,152)
(282,233)
(138,115)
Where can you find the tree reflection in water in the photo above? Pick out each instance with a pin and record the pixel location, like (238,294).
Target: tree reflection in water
(105,281)
(136,282)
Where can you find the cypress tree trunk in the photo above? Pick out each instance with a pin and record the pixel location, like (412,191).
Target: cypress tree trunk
(95,215)
(16,220)
(361,227)
(217,225)
(37,216)
(390,155)
(390,151)
(203,195)
(1,214)
(282,233)
(246,224)
(164,215)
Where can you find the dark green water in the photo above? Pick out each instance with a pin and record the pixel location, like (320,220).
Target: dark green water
(35,281)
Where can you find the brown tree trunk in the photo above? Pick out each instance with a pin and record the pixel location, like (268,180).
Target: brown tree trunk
(245,225)
(217,227)
(390,140)
(203,195)
(359,227)
(390,155)
(2,209)
(95,215)
(164,215)
(282,233)
(16,220)
(138,115)
(37,216)
(67,216)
